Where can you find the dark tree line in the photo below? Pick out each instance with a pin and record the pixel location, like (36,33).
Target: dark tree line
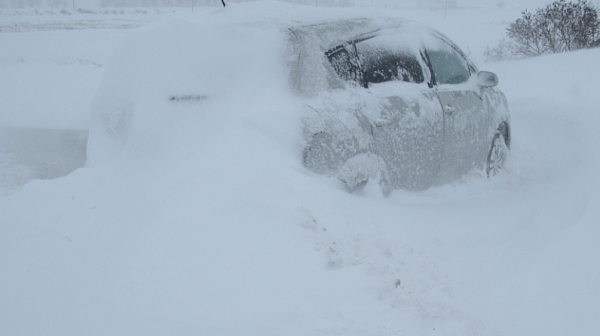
(559,27)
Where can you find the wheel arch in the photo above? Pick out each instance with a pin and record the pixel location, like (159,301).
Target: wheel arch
(504,129)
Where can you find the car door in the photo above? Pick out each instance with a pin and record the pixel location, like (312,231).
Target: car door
(408,121)
(463,108)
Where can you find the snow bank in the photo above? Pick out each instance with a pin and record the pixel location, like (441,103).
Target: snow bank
(184,81)
(207,223)
(49,78)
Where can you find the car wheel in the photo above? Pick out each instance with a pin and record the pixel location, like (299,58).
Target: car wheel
(318,155)
(497,155)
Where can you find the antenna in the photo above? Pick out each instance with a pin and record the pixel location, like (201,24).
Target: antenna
(223,1)
(446,9)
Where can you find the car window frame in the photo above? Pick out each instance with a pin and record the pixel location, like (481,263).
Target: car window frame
(470,65)
(351,48)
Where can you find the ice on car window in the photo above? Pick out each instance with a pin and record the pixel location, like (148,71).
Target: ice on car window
(344,64)
(376,60)
(384,59)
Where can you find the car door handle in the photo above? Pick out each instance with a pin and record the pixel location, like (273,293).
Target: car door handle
(449,109)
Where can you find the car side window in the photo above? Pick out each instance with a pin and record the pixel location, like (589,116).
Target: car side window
(448,65)
(376,60)
(384,59)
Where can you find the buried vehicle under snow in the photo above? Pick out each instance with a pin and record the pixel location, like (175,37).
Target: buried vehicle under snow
(413,110)
(383,99)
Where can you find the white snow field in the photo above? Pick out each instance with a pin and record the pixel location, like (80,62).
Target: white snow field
(206,222)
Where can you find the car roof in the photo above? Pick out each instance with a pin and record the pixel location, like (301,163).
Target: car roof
(335,32)
(310,73)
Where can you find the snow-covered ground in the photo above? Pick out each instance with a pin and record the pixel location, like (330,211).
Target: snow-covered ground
(230,235)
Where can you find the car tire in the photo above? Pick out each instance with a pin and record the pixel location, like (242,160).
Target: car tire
(497,155)
(318,155)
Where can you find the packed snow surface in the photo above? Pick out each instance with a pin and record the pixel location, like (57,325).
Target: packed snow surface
(205,222)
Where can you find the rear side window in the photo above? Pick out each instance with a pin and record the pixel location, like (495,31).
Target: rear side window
(376,60)
(382,60)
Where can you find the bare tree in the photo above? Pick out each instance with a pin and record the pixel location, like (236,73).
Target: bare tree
(559,27)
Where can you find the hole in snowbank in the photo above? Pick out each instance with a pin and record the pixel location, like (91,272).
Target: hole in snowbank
(188,98)
(41,153)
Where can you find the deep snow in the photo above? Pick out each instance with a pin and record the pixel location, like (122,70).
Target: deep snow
(228,234)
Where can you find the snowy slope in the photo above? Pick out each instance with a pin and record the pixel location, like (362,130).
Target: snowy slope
(228,234)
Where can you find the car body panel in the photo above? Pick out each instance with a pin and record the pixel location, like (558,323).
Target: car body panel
(410,141)
(465,141)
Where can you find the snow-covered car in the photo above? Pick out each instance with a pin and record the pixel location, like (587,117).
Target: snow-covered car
(379,98)
(420,112)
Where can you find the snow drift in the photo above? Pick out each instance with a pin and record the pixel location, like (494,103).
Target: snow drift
(208,224)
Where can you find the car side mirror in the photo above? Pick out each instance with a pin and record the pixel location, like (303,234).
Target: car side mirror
(487,79)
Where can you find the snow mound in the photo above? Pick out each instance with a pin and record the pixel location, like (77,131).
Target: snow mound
(14,175)
(175,87)
(197,217)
